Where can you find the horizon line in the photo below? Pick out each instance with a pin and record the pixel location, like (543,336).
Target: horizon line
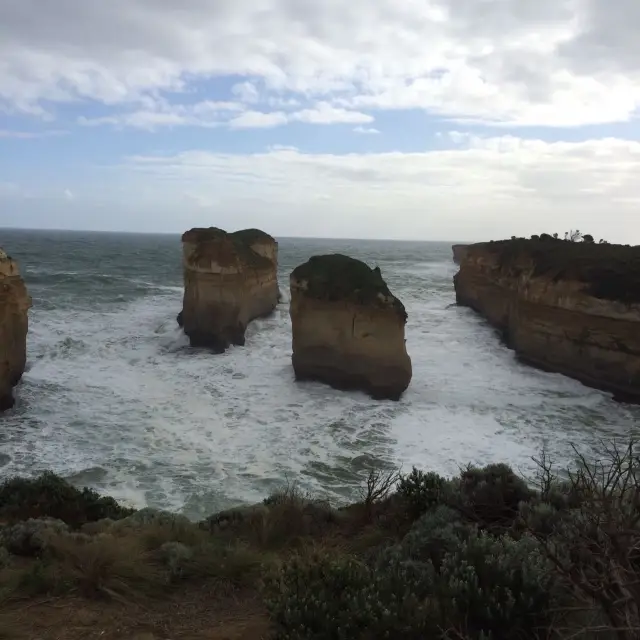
(179,233)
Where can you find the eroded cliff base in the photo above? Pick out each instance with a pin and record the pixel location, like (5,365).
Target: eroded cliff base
(566,307)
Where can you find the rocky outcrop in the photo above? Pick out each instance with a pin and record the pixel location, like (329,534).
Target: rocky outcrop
(459,252)
(229,280)
(572,308)
(14,310)
(348,328)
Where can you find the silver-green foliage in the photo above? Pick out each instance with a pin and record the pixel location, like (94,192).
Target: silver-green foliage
(443,575)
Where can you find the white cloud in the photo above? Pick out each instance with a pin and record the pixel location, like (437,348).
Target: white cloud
(29,135)
(69,195)
(232,114)
(366,130)
(258,120)
(554,62)
(324,113)
(486,188)
(208,113)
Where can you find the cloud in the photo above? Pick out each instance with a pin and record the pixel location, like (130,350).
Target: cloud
(365,130)
(552,62)
(232,114)
(207,113)
(486,187)
(30,135)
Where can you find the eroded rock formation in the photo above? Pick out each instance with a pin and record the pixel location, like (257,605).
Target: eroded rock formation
(229,280)
(572,308)
(459,252)
(14,309)
(348,328)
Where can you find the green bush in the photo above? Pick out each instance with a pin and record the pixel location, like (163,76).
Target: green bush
(491,496)
(422,491)
(49,496)
(444,575)
(496,587)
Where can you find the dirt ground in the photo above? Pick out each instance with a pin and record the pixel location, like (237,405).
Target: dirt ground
(193,614)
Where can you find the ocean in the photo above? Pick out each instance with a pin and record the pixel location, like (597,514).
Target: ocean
(114,398)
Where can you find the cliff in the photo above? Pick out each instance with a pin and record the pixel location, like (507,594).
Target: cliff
(459,252)
(572,308)
(348,328)
(229,280)
(14,309)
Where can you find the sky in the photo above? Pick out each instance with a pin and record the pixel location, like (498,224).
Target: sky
(396,119)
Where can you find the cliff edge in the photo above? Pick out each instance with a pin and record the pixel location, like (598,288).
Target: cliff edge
(568,307)
(229,280)
(14,311)
(348,328)
(459,252)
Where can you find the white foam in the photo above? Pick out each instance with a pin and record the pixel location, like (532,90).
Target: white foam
(119,396)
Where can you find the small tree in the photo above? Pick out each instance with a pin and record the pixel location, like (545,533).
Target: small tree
(573,236)
(588,238)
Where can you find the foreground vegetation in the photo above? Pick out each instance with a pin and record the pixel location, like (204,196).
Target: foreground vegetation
(482,556)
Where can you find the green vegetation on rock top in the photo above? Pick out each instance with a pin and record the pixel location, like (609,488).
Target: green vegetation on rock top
(339,277)
(611,271)
(242,241)
(251,235)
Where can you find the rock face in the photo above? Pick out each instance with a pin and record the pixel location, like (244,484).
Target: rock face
(459,252)
(229,280)
(348,328)
(14,309)
(572,308)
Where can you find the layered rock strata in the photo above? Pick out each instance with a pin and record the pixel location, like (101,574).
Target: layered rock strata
(459,252)
(572,308)
(14,311)
(348,328)
(229,280)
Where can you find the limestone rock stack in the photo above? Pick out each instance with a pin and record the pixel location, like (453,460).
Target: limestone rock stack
(14,310)
(229,280)
(348,328)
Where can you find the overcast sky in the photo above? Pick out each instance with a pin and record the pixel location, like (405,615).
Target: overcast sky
(416,119)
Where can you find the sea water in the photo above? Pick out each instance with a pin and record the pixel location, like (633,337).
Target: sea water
(114,398)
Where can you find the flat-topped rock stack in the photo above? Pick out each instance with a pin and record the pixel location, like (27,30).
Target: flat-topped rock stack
(229,280)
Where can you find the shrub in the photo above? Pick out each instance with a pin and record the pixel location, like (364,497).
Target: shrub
(491,495)
(496,587)
(50,496)
(422,491)
(444,575)
(31,537)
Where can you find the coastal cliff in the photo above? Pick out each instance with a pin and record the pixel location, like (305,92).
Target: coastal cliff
(229,280)
(568,307)
(14,308)
(348,328)
(459,252)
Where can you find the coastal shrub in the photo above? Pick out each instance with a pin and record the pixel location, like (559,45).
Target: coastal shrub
(50,496)
(491,495)
(443,575)
(31,537)
(422,491)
